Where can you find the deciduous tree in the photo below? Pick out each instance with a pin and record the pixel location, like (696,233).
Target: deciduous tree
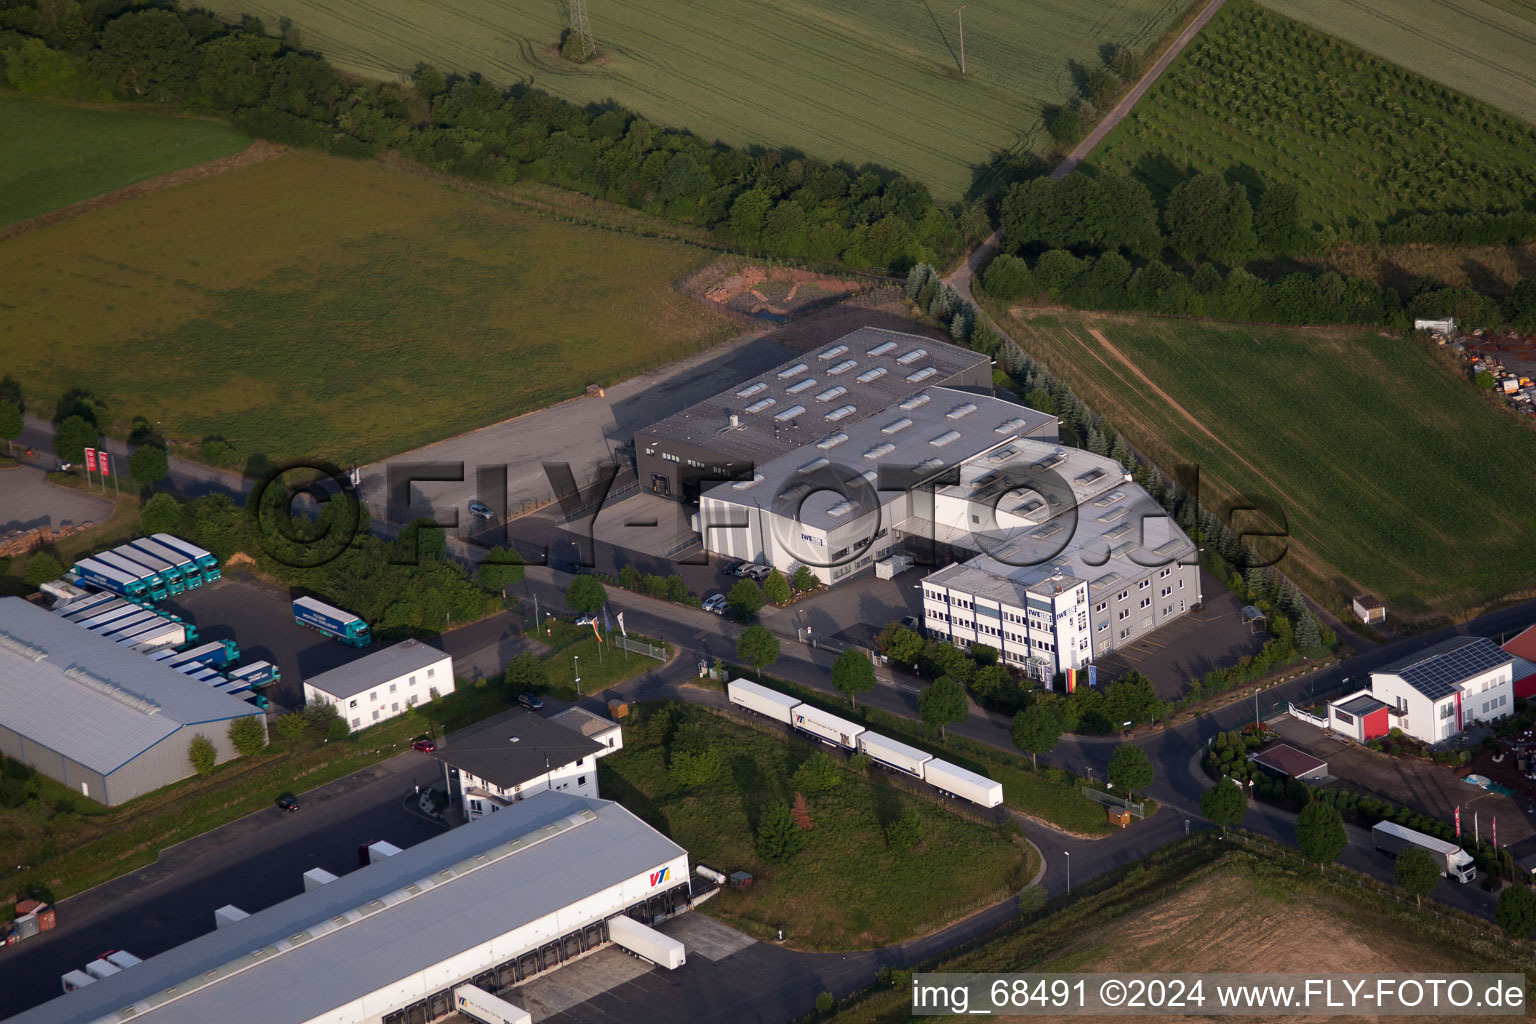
(943,704)
(585,595)
(149,464)
(1320,833)
(1129,769)
(758,647)
(778,838)
(1225,804)
(202,754)
(1035,731)
(853,674)
(1417,872)
(247,736)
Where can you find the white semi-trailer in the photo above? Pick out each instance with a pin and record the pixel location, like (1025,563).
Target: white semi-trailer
(826,727)
(478,1004)
(100,969)
(646,942)
(768,703)
(967,785)
(1391,838)
(121,958)
(894,755)
(76,979)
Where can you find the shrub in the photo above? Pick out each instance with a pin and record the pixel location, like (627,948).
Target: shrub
(776,588)
(778,837)
(585,596)
(817,775)
(746,598)
(202,754)
(247,735)
(162,514)
(42,568)
(825,1001)
(695,769)
(906,831)
(291,726)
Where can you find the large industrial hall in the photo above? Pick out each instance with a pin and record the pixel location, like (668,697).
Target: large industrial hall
(488,904)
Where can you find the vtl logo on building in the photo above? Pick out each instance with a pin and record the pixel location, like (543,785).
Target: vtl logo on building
(657,877)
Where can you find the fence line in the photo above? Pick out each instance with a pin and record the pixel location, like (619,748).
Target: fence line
(637,647)
(1110,800)
(1305,716)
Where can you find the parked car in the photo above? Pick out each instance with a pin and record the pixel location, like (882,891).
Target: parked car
(730,568)
(910,621)
(714,603)
(759,572)
(288,803)
(481,510)
(586,620)
(426,746)
(530,702)
(743,569)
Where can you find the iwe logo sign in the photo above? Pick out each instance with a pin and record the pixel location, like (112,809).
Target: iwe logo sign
(657,877)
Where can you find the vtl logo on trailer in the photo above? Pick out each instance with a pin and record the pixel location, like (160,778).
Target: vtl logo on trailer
(657,877)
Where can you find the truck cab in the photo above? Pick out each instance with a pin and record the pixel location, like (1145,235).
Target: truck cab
(1462,867)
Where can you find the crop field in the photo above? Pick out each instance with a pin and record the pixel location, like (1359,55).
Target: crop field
(1394,475)
(863,81)
(1482,47)
(55,154)
(314,307)
(1258,95)
(848,888)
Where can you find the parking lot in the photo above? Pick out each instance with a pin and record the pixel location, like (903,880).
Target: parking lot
(260,619)
(28,501)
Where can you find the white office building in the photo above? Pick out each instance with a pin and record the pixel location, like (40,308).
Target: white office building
(383,684)
(495,764)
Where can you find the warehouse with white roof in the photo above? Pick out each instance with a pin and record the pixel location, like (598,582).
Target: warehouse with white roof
(98,716)
(491,903)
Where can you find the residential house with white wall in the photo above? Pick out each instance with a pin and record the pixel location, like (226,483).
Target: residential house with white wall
(1444,688)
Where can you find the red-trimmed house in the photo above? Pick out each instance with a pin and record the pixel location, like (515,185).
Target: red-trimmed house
(1523,647)
(1360,716)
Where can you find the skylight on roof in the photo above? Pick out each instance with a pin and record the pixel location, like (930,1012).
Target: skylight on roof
(761,404)
(927,464)
(833,392)
(882,348)
(842,367)
(751,389)
(872,375)
(917,400)
(790,413)
(907,358)
(841,509)
(896,426)
(831,441)
(922,374)
(790,371)
(833,352)
(795,389)
(1009,426)
(960,412)
(945,438)
(1109,499)
(741,485)
(840,412)
(815,464)
(879,450)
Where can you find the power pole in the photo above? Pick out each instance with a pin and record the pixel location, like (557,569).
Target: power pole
(960,13)
(582,28)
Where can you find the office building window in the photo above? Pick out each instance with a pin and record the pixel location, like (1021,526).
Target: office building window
(373,696)
(356,722)
(375,716)
(394,708)
(391,687)
(581,780)
(352,703)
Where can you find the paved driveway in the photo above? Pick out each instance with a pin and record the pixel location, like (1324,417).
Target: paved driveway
(28,500)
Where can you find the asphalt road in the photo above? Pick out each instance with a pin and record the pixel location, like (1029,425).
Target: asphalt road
(253,863)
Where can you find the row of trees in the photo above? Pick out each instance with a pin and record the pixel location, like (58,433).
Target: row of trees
(777,202)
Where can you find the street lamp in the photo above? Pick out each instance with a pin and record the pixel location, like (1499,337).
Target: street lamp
(547,617)
(576,671)
(1068,855)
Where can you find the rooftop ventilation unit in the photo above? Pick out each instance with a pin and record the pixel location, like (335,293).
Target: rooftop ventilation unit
(945,438)
(872,375)
(761,404)
(896,426)
(916,400)
(833,352)
(882,348)
(880,450)
(907,358)
(921,375)
(790,413)
(841,412)
(833,392)
(795,389)
(791,371)
(815,464)
(831,441)
(842,367)
(960,412)
(751,389)
(1009,426)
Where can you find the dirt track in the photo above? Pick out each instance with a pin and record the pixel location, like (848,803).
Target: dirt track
(257,152)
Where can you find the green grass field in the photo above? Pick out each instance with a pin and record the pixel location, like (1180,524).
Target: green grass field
(301,307)
(1257,95)
(1482,47)
(1396,477)
(55,154)
(867,82)
(847,889)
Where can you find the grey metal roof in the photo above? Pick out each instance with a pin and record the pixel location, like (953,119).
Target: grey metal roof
(1362,705)
(400,939)
(1082,521)
(583,721)
(935,427)
(93,700)
(511,749)
(867,365)
(1438,671)
(379,667)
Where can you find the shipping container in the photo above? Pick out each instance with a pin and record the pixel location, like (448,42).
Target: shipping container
(826,727)
(647,943)
(760,699)
(894,755)
(478,1004)
(967,785)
